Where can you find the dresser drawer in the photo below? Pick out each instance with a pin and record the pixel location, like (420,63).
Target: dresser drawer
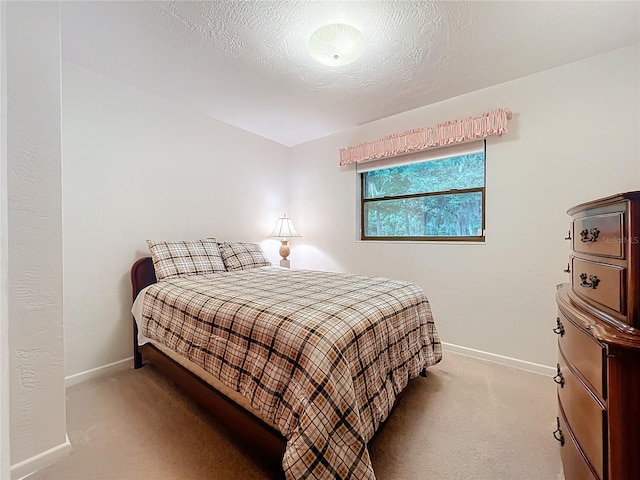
(584,352)
(600,283)
(574,465)
(586,418)
(600,235)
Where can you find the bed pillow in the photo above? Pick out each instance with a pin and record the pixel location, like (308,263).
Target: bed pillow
(175,259)
(242,256)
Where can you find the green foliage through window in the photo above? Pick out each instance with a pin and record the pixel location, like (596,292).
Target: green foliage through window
(433,200)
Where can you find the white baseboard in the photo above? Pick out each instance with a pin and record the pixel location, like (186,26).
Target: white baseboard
(501,359)
(38,462)
(98,372)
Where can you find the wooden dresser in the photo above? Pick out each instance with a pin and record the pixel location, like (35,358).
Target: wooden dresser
(598,330)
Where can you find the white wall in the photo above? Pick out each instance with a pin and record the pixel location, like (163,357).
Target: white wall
(4,264)
(574,137)
(34,227)
(137,167)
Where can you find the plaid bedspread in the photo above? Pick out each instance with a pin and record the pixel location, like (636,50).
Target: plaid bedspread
(322,355)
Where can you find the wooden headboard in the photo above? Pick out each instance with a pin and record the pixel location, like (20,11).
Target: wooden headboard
(142,275)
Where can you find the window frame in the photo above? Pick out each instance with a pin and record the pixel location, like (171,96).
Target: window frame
(425,238)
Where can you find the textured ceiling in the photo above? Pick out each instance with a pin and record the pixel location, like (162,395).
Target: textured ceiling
(246,63)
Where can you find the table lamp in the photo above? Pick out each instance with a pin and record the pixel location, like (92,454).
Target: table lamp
(284,230)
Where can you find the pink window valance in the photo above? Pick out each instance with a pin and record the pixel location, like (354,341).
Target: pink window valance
(440,135)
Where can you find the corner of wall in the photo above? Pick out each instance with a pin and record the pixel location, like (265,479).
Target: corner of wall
(37,417)
(38,462)
(4,289)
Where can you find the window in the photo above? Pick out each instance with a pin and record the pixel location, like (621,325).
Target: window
(425,197)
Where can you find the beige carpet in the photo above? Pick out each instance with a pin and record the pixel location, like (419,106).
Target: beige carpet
(469,420)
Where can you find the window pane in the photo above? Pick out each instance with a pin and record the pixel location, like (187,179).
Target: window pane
(458,215)
(465,171)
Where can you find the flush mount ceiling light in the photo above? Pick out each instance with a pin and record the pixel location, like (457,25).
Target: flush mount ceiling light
(336,44)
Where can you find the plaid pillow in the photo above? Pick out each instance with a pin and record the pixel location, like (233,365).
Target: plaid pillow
(182,258)
(242,256)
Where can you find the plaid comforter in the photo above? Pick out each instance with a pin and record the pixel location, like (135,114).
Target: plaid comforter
(322,355)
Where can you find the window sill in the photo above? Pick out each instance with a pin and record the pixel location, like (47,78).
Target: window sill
(422,242)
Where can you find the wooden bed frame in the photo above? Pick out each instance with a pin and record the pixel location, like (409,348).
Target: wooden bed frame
(268,443)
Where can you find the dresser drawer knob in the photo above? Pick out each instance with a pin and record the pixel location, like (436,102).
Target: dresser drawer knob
(568,269)
(559,328)
(559,379)
(589,235)
(592,283)
(558,435)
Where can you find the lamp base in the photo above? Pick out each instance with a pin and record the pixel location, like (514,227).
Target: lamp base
(284,253)
(284,249)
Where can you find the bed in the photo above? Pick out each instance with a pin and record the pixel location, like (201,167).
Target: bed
(304,365)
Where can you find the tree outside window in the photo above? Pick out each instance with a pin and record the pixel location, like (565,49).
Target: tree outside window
(439,199)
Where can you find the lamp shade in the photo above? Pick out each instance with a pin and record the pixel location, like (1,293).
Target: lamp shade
(284,229)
